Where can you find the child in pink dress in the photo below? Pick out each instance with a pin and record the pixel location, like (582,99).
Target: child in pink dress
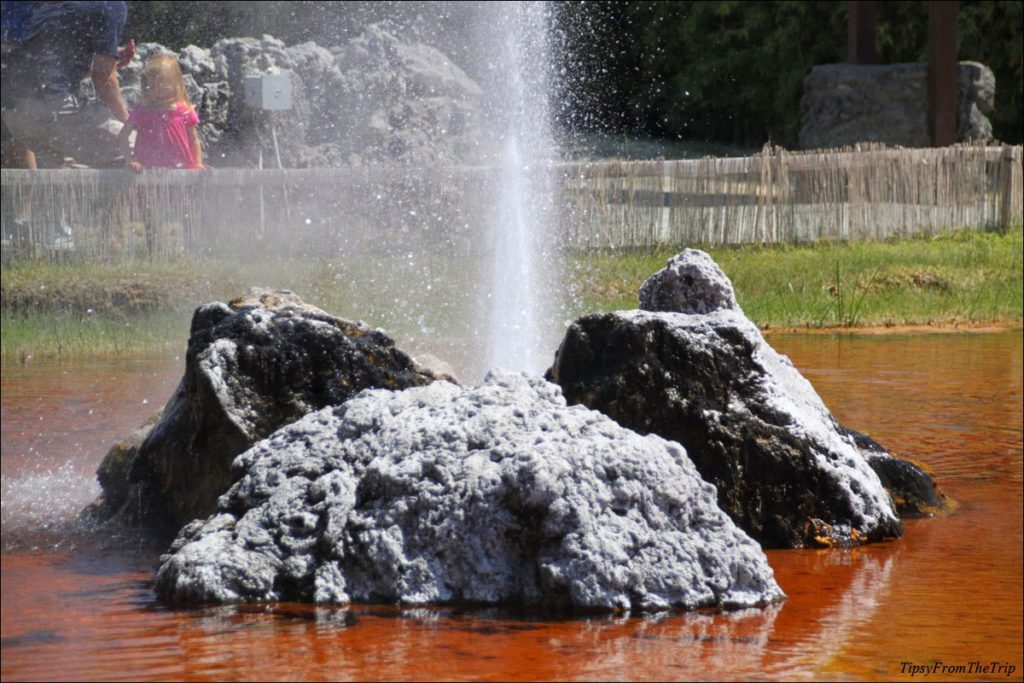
(165,122)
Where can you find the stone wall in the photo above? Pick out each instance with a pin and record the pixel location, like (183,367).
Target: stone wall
(844,104)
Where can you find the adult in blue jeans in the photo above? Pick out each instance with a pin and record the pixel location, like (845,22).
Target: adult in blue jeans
(42,105)
(14,18)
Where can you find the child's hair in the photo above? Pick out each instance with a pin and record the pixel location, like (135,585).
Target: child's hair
(164,67)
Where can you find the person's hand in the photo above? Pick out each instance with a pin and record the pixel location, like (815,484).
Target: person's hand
(135,166)
(125,54)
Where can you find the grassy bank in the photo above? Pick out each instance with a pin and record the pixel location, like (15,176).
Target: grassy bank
(969,277)
(963,277)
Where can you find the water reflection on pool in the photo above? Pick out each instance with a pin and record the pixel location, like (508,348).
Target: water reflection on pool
(949,591)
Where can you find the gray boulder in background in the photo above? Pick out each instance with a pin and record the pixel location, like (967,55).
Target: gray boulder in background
(498,494)
(252,366)
(785,471)
(845,104)
(976,96)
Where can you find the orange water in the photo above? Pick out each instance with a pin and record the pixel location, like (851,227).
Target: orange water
(949,591)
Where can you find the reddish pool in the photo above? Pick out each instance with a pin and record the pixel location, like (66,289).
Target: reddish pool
(948,594)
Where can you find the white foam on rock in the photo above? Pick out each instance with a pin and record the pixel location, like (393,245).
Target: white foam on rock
(496,494)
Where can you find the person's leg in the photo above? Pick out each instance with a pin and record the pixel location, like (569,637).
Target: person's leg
(87,134)
(16,237)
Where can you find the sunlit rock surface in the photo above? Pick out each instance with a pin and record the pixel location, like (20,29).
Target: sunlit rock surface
(691,282)
(253,365)
(495,494)
(785,471)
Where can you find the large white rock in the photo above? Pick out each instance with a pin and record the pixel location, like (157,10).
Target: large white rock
(495,494)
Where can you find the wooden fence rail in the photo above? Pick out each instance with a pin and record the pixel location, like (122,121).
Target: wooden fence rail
(775,196)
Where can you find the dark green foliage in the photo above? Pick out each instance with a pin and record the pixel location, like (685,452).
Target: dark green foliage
(727,71)
(993,33)
(733,71)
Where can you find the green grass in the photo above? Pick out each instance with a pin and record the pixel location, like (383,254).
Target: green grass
(962,277)
(77,310)
(87,309)
(72,336)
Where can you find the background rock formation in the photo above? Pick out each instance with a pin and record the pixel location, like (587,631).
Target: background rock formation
(374,98)
(495,494)
(844,104)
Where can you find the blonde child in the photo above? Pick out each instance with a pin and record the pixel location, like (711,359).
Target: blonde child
(165,122)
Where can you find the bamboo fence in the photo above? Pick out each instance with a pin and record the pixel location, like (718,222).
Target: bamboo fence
(869,193)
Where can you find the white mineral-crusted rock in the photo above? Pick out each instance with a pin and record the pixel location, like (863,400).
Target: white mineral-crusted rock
(691,282)
(495,494)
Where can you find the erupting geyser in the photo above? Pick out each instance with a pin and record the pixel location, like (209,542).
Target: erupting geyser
(521,226)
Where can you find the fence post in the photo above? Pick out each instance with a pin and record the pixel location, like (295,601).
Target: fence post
(1010,207)
(665,185)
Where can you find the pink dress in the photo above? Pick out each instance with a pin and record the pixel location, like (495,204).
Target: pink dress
(162,136)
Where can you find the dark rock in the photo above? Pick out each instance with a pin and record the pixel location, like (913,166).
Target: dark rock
(114,469)
(704,381)
(252,366)
(913,491)
(755,428)
(495,494)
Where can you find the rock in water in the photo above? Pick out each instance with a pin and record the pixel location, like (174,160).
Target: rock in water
(913,491)
(495,494)
(253,366)
(785,471)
